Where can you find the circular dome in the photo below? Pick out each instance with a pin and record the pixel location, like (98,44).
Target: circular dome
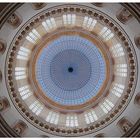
(70,70)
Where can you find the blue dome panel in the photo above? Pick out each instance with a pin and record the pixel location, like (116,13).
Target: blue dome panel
(70,70)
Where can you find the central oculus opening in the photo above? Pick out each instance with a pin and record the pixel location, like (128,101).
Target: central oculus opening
(70,69)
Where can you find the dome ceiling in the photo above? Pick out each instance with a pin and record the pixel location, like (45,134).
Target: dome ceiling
(70,70)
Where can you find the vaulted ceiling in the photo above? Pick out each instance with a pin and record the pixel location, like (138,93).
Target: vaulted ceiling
(70,70)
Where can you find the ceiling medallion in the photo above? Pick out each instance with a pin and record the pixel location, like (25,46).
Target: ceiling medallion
(64,66)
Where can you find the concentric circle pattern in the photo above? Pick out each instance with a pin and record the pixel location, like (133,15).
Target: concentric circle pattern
(74,70)
(76,86)
(71,70)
